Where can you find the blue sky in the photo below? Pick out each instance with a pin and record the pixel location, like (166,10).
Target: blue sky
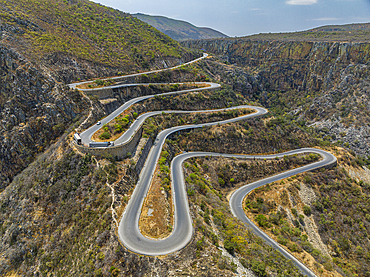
(245,17)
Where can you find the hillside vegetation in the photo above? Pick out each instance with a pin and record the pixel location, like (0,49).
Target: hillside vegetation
(50,30)
(178,29)
(321,216)
(60,220)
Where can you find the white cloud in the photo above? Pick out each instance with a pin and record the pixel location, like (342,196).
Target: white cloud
(301,2)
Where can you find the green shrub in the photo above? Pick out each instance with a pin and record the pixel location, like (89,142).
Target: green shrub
(214,239)
(118,128)
(328,266)
(105,135)
(165,181)
(294,212)
(191,192)
(316,252)
(114,271)
(229,246)
(99,82)
(262,221)
(98,273)
(294,247)
(307,210)
(200,243)
(101,256)
(282,240)
(207,218)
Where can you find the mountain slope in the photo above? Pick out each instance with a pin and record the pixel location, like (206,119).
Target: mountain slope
(46,44)
(85,33)
(178,29)
(327,224)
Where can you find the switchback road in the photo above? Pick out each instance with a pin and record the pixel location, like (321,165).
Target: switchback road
(181,235)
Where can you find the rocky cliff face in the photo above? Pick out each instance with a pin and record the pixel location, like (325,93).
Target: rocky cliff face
(325,83)
(34,110)
(293,65)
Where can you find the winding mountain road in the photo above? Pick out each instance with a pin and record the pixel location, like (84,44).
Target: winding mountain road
(181,235)
(87,134)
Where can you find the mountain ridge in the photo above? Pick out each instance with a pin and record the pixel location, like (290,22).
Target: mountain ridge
(179,29)
(344,27)
(356,32)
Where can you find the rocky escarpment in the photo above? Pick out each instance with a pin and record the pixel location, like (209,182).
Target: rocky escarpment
(325,83)
(34,110)
(291,65)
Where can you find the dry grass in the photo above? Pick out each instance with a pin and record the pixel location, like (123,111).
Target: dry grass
(157,223)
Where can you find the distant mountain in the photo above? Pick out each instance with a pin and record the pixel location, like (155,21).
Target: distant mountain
(177,29)
(358,32)
(343,28)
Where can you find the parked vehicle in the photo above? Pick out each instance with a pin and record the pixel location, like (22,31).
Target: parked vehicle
(77,138)
(99,122)
(99,144)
